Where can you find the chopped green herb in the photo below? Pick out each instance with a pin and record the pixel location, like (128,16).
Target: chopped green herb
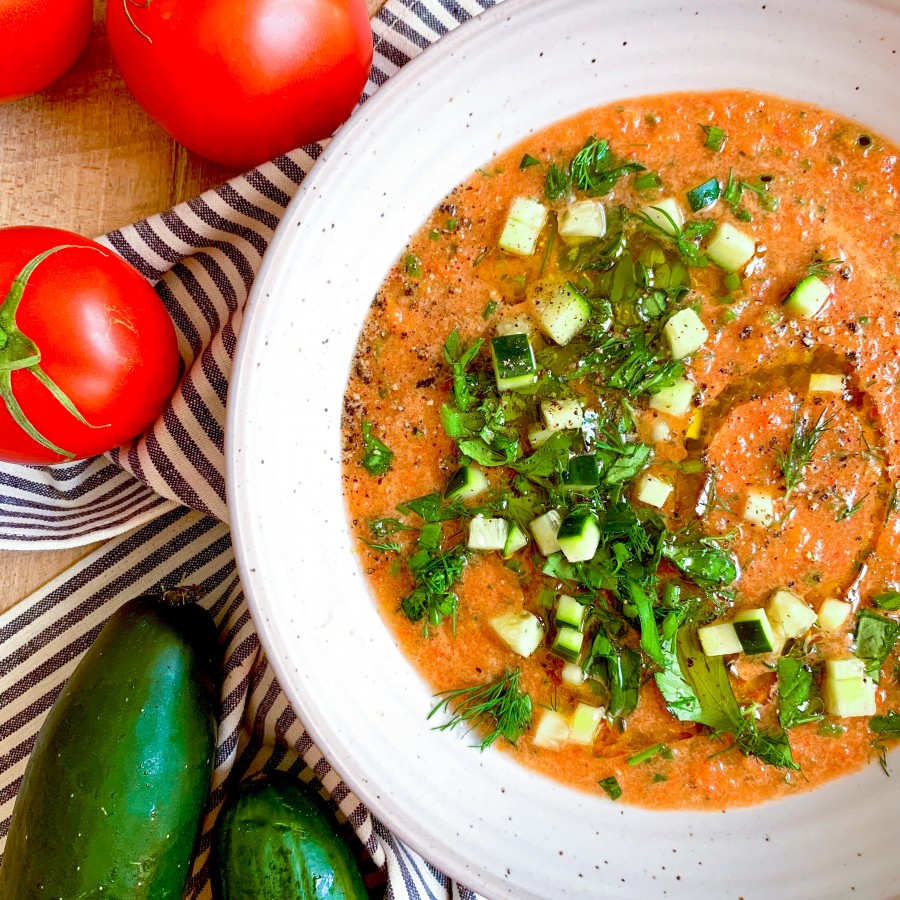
(847,510)
(875,637)
(383,546)
(528,161)
(435,573)
(887,725)
(796,701)
(611,787)
(387,526)
(620,669)
(433,508)
(830,729)
(887,600)
(595,170)
(557,182)
(413,265)
(489,309)
(805,438)
(649,753)
(702,560)
(377,456)
(500,705)
(647,181)
(715,137)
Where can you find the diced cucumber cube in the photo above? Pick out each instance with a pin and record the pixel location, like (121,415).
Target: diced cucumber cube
(562,310)
(754,631)
(789,614)
(467,482)
(572,674)
(562,414)
(582,221)
(552,731)
(487,534)
(704,195)
(545,529)
(516,539)
(523,227)
(759,509)
(719,640)
(685,333)
(567,643)
(676,399)
(653,491)
(585,721)
(520,324)
(824,383)
(579,537)
(730,248)
(569,612)
(666,215)
(521,631)
(538,436)
(833,613)
(808,297)
(514,363)
(848,691)
(582,475)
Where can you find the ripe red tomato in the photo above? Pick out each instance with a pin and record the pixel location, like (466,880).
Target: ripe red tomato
(39,41)
(103,338)
(241,81)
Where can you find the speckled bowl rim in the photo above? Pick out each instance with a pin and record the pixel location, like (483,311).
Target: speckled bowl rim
(483,819)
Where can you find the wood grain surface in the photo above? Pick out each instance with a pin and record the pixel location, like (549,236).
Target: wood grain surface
(83,155)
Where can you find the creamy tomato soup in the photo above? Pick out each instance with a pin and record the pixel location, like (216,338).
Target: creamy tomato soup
(621,445)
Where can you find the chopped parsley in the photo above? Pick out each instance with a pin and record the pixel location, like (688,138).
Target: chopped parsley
(377,457)
(611,787)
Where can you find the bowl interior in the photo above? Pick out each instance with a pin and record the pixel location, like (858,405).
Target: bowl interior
(488,822)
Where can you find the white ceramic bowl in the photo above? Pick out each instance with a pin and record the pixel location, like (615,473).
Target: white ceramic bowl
(491,824)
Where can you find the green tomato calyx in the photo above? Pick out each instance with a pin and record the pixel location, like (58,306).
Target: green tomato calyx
(18,351)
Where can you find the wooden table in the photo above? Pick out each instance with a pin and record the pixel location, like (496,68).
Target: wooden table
(83,155)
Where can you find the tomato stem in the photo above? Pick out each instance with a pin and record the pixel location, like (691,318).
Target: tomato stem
(18,351)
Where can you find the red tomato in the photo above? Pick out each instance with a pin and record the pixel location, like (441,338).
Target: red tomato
(241,81)
(39,41)
(104,338)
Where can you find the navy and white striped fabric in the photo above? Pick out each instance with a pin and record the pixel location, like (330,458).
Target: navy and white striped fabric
(160,502)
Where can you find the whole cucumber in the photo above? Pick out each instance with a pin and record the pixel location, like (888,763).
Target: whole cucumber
(115,787)
(275,840)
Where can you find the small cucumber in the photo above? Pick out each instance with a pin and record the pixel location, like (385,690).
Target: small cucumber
(115,787)
(275,840)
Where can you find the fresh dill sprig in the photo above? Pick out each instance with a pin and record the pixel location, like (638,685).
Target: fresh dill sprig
(500,705)
(804,440)
(768,745)
(847,510)
(824,268)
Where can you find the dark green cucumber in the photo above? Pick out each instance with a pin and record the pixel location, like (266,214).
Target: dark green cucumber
(113,795)
(275,840)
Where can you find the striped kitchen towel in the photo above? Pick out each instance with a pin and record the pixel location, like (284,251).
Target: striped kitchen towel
(160,502)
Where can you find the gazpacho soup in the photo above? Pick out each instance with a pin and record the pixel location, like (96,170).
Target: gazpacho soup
(621,450)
